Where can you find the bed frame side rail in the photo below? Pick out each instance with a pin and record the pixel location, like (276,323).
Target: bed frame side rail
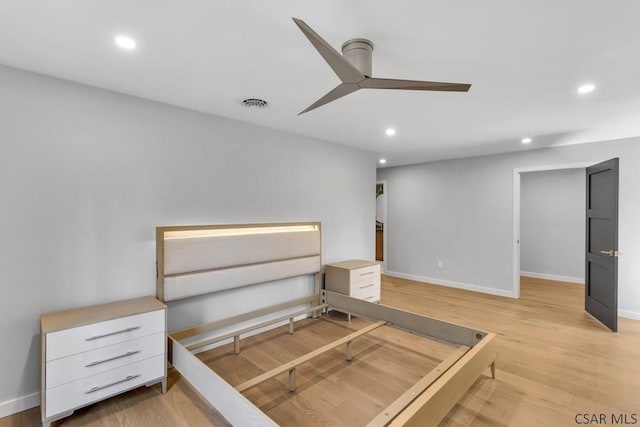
(233,406)
(428,409)
(405,320)
(399,405)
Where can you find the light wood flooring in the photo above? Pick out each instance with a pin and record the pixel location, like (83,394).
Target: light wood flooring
(554,362)
(330,390)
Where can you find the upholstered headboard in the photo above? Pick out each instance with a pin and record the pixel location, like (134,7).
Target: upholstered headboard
(198,260)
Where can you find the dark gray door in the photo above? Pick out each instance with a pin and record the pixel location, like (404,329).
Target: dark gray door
(601,273)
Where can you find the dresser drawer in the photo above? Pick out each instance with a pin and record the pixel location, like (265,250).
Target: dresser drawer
(101,386)
(364,273)
(71,368)
(96,335)
(371,293)
(365,285)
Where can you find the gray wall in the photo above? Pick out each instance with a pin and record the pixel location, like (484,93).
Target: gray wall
(552,224)
(86,175)
(461,212)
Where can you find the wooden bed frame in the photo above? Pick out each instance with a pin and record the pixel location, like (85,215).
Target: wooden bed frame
(223,259)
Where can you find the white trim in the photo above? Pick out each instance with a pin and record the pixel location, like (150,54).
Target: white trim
(629,314)
(555,167)
(559,278)
(516,212)
(19,404)
(451,284)
(516,234)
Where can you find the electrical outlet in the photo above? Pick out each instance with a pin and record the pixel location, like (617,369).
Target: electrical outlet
(440,264)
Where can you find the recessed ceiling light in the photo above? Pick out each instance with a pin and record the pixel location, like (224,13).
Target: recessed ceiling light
(586,88)
(526,140)
(125,42)
(390,131)
(382,161)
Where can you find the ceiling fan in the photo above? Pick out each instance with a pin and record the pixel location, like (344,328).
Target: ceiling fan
(353,68)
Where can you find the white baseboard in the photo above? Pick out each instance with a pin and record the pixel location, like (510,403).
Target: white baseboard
(629,314)
(19,404)
(452,284)
(556,277)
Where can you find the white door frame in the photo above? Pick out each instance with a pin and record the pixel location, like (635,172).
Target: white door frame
(385,226)
(516,213)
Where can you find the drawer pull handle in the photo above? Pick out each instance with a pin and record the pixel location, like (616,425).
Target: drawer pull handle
(367,273)
(94,389)
(99,362)
(367,286)
(96,337)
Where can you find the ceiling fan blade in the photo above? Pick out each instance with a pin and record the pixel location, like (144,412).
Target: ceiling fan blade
(335,93)
(375,83)
(345,71)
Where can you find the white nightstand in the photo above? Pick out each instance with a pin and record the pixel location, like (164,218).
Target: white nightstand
(356,278)
(92,353)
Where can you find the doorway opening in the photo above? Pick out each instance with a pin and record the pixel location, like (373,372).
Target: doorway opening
(517,201)
(381,219)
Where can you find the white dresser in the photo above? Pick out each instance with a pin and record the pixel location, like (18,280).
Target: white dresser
(356,278)
(92,353)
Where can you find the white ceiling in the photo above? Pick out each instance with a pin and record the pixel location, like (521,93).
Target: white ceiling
(525,60)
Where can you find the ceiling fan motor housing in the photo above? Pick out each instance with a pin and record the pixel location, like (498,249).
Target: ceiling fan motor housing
(353,68)
(358,53)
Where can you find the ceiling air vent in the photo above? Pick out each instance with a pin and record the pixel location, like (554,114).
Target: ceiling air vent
(254,102)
